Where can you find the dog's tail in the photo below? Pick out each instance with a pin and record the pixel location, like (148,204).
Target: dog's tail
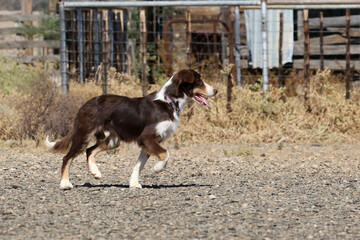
(61,146)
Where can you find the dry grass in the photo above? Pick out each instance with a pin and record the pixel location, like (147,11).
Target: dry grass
(268,118)
(256,117)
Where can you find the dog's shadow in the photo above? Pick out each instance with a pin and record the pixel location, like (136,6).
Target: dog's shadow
(89,185)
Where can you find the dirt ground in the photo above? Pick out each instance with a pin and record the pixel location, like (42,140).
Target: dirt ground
(206,192)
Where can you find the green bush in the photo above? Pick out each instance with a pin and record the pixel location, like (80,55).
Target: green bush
(48,28)
(15,76)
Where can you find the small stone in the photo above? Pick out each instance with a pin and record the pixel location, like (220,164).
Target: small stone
(212,196)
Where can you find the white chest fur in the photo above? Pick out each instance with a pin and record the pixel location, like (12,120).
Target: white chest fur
(166,129)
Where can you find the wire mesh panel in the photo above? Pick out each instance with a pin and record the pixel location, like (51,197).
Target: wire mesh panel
(96,39)
(167,38)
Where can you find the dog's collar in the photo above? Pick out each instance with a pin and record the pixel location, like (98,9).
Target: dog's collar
(172,104)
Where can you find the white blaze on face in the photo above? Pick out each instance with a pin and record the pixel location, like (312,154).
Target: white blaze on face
(209,90)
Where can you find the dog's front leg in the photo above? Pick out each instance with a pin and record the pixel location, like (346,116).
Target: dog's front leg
(134,179)
(160,165)
(150,144)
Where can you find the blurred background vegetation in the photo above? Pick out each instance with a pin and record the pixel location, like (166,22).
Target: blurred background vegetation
(32,107)
(12,5)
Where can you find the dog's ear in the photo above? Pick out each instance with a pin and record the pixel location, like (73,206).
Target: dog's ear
(183,79)
(185,76)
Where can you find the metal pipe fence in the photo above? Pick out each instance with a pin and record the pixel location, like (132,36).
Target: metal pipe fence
(96,36)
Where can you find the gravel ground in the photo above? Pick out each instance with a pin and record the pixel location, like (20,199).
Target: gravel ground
(206,192)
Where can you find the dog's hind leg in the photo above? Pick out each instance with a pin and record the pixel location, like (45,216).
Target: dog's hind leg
(65,182)
(79,143)
(90,159)
(107,141)
(134,179)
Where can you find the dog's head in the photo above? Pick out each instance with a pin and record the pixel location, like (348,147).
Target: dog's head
(189,82)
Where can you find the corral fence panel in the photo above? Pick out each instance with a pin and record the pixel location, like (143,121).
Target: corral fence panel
(264,41)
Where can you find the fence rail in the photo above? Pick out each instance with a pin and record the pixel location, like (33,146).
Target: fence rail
(20,18)
(44,58)
(114,4)
(29,44)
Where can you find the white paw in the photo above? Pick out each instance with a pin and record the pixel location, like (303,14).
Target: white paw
(94,171)
(65,185)
(135,185)
(97,175)
(159,166)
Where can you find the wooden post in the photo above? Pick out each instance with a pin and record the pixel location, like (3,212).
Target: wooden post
(26,7)
(321,41)
(281,79)
(124,19)
(188,38)
(80,44)
(52,6)
(105,49)
(306,58)
(306,46)
(89,42)
(72,41)
(232,38)
(143,36)
(348,70)
(118,41)
(225,17)
(232,71)
(229,91)
(52,11)
(111,35)
(96,42)
(300,25)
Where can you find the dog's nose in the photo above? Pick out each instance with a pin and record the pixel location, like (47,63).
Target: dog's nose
(215,91)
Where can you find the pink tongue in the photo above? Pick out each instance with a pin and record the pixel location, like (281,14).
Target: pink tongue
(201,100)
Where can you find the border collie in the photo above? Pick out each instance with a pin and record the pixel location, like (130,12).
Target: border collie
(147,121)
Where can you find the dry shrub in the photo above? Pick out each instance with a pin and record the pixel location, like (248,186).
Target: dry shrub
(42,110)
(8,116)
(60,116)
(33,108)
(15,79)
(15,76)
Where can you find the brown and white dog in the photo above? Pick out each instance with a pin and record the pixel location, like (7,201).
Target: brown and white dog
(146,120)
